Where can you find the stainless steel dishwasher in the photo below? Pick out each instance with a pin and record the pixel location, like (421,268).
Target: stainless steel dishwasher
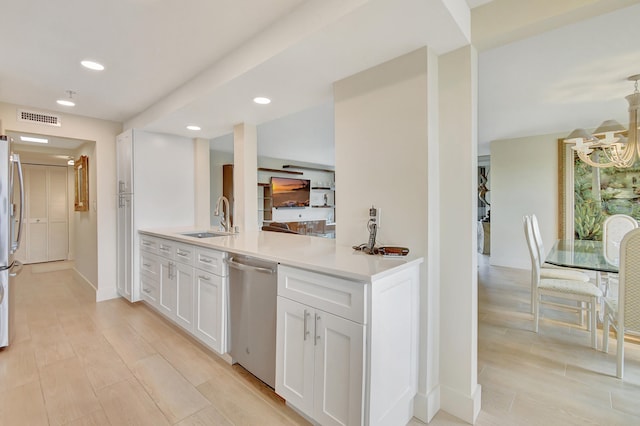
(252,315)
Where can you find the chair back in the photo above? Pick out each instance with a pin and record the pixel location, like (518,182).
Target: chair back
(614,229)
(629,279)
(537,238)
(533,250)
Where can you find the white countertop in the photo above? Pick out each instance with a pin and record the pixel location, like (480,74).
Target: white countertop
(301,251)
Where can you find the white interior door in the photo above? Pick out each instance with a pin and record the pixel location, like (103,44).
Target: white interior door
(46,214)
(36,198)
(58,237)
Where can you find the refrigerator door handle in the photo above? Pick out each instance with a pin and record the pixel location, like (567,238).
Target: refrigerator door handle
(16,268)
(15,158)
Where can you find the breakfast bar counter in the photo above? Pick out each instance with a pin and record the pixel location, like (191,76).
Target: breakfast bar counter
(301,251)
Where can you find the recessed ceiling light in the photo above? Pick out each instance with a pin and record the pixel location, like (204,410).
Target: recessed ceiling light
(262,100)
(92,65)
(32,139)
(192,127)
(66,102)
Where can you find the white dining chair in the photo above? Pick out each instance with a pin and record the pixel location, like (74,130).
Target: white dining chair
(570,290)
(623,313)
(614,229)
(549,271)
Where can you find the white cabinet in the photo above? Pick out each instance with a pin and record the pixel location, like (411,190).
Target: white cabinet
(322,365)
(319,355)
(346,351)
(184,278)
(211,298)
(188,285)
(210,310)
(154,189)
(149,271)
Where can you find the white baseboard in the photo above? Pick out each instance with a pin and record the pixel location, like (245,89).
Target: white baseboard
(78,276)
(106,294)
(425,406)
(464,407)
(100,294)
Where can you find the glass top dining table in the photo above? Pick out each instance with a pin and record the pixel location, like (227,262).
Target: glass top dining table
(580,254)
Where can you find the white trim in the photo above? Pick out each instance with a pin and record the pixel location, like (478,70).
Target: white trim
(100,295)
(426,406)
(465,407)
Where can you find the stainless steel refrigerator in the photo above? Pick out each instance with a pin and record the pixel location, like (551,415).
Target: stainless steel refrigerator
(11,185)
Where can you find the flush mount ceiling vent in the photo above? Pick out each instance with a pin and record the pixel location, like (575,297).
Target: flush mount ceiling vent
(39,117)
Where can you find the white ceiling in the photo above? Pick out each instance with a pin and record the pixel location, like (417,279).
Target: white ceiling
(573,76)
(169,64)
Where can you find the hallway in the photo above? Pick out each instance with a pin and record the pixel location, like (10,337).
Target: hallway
(77,362)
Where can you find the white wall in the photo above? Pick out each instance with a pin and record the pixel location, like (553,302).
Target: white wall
(97,267)
(381,134)
(524,180)
(85,223)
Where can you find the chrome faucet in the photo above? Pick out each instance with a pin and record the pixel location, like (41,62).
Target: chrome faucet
(224,220)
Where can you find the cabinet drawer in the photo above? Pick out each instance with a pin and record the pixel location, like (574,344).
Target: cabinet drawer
(335,295)
(149,264)
(149,289)
(149,244)
(211,260)
(185,253)
(166,248)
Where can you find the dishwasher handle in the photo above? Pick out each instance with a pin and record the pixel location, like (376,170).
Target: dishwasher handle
(243,267)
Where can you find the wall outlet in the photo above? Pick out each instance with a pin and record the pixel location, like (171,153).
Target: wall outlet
(374,215)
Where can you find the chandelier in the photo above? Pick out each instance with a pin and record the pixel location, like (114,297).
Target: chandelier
(607,146)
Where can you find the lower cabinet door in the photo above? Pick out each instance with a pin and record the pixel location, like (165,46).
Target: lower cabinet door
(295,354)
(184,295)
(167,296)
(339,370)
(210,310)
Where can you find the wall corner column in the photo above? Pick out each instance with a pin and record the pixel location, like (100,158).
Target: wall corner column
(458,92)
(245,177)
(202,183)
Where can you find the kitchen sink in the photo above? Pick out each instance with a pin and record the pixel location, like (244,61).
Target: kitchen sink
(204,234)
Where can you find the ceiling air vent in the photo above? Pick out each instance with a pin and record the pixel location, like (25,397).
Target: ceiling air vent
(39,117)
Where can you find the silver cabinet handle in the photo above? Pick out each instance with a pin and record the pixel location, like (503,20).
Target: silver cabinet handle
(146,265)
(171,270)
(305,332)
(315,327)
(205,260)
(204,277)
(146,243)
(182,253)
(146,290)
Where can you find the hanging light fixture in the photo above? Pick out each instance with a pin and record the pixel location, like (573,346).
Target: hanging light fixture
(607,146)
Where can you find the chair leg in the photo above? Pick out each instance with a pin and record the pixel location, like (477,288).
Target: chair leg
(605,330)
(620,354)
(536,309)
(533,294)
(592,322)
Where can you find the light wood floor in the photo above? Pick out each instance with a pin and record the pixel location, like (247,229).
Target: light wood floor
(550,378)
(75,362)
